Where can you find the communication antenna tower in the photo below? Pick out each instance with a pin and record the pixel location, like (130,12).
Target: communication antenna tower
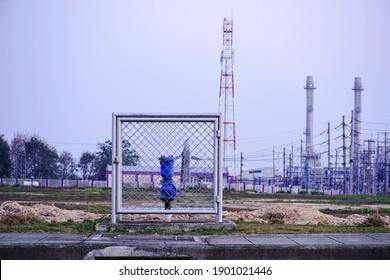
(226,97)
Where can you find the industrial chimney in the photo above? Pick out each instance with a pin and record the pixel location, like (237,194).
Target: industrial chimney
(357,127)
(310,87)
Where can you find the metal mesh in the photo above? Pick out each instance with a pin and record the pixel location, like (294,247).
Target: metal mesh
(190,144)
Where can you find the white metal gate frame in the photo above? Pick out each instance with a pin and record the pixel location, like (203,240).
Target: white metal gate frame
(118,119)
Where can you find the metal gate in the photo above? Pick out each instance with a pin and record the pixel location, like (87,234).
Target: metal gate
(168,164)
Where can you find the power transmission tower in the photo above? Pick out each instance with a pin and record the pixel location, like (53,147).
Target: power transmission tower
(351,159)
(367,165)
(226,97)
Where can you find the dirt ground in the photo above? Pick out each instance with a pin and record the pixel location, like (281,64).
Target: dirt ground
(270,213)
(78,205)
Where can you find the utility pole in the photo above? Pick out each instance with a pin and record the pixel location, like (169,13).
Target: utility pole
(385,177)
(328,155)
(344,161)
(336,171)
(241,163)
(284,167)
(369,168)
(351,158)
(292,165)
(273,164)
(290,162)
(301,164)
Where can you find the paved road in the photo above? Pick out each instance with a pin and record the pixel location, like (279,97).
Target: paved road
(267,246)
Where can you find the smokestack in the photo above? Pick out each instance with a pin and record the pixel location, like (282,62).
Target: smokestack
(310,87)
(357,125)
(358,88)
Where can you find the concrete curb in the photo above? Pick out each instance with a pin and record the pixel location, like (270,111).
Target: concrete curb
(46,246)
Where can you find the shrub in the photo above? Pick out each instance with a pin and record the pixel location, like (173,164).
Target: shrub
(316,192)
(276,218)
(280,192)
(302,192)
(375,220)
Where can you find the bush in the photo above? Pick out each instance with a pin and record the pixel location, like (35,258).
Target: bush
(302,192)
(282,191)
(316,192)
(375,220)
(276,218)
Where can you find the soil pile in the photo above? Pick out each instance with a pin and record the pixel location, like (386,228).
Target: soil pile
(43,213)
(280,214)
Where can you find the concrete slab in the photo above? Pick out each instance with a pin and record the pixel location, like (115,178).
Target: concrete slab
(355,239)
(313,240)
(63,238)
(270,239)
(173,226)
(45,246)
(228,240)
(22,238)
(384,237)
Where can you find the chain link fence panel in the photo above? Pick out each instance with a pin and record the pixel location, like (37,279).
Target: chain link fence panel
(167,163)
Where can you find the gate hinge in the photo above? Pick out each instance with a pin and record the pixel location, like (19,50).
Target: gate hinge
(218,199)
(218,133)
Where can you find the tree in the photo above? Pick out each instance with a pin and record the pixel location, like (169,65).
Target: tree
(66,166)
(41,159)
(5,160)
(129,156)
(31,156)
(88,165)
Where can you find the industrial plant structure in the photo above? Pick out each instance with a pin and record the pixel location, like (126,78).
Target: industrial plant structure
(358,166)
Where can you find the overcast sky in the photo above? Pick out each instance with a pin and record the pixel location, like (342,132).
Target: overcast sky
(67,65)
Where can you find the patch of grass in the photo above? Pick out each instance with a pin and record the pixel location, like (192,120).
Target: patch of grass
(95,190)
(241,228)
(93,208)
(350,211)
(251,191)
(36,226)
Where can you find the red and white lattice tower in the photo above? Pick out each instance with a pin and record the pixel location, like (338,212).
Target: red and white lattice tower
(226,98)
